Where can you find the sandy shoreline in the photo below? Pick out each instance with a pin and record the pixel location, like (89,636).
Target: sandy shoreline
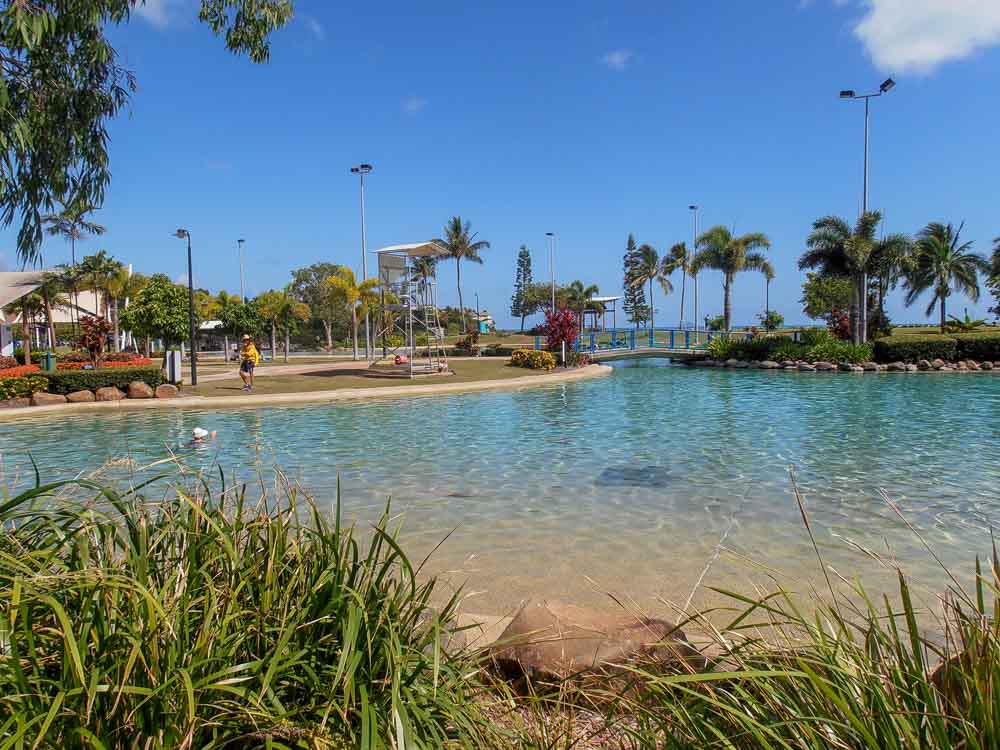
(329,396)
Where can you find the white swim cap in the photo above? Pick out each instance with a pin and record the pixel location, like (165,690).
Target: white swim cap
(199,432)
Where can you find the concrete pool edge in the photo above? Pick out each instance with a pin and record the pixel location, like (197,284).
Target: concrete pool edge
(329,396)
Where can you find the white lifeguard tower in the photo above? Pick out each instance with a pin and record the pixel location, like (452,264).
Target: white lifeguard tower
(409,312)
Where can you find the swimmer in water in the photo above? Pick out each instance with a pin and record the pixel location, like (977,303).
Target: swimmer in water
(199,435)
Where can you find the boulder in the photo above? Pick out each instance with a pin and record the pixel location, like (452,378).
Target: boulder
(80,397)
(937,364)
(172,391)
(845,366)
(768,365)
(806,367)
(910,368)
(971,364)
(857,368)
(551,642)
(139,389)
(109,393)
(47,399)
(986,366)
(870,367)
(825,366)
(741,365)
(897,367)
(959,366)
(790,366)
(924,365)
(15,403)
(732,362)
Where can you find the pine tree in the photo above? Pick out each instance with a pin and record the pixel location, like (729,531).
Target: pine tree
(634,302)
(520,304)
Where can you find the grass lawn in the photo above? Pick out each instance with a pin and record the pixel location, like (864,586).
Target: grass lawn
(466,371)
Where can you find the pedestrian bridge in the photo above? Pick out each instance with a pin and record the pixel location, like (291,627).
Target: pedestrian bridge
(624,343)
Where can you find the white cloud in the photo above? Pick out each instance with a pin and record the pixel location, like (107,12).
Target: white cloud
(155,11)
(618,59)
(918,35)
(414,104)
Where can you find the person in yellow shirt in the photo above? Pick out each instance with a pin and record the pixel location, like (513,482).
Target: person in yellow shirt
(249,358)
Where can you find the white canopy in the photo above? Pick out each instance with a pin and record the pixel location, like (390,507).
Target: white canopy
(429,249)
(16,284)
(604,299)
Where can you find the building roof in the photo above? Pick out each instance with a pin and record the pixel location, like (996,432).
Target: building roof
(16,284)
(430,248)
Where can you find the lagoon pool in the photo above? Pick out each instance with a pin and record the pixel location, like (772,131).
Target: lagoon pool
(643,483)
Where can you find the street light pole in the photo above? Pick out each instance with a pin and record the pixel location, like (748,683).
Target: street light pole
(185,234)
(694,251)
(552,266)
(243,292)
(887,85)
(362,170)
(478,323)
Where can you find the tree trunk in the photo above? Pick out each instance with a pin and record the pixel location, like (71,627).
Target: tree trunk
(225,348)
(854,317)
(943,323)
(114,318)
(727,303)
(328,330)
(49,322)
(274,341)
(652,324)
(683,284)
(354,332)
(26,332)
(286,342)
(461,306)
(522,322)
(863,322)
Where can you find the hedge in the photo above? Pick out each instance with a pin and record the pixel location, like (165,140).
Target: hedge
(978,346)
(912,347)
(22,387)
(68,381)
(533,359)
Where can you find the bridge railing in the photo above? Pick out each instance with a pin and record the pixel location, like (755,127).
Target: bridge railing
(635,339)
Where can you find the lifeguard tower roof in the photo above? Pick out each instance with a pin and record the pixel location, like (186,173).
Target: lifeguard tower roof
(429,249)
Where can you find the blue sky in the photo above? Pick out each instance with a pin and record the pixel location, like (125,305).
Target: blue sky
(589,119)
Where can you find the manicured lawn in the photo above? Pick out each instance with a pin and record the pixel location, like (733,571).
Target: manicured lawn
(466,371)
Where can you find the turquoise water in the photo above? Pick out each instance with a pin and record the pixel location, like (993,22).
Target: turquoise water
(636,483)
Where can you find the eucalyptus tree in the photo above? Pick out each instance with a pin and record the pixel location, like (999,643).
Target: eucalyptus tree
(62,83)
(647,270)
(943,265)
(461,244)
(719,249)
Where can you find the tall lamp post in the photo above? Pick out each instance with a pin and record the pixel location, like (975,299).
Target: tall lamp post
(694,251)
(362,170)
(887,85)
(185,234)
(552,266)
(243,291)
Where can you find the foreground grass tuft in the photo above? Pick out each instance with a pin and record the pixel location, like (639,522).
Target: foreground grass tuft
(200,622)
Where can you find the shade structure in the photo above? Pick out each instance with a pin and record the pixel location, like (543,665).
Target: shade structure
(428,249)
(16,284)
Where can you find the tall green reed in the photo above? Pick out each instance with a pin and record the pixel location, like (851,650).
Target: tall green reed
(201,620)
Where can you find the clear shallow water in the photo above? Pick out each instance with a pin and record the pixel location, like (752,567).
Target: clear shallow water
(631,483)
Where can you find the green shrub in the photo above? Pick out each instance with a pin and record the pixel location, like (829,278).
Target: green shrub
(835,350)
(815,336)
(911,348)
(68,381)
(22,387)
(978,346)
(788,351)
(533,359)
(723,347)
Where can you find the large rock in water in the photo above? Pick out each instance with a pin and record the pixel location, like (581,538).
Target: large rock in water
(109,393)
(139,389)
(167,391)
(552,642)
(80,397)
(47,399)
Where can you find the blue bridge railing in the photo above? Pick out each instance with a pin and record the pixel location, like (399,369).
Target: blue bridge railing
(636,339)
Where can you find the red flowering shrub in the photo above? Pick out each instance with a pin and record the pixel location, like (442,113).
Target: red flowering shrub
(19,371)
(839,324)
(94,332)
(560,326)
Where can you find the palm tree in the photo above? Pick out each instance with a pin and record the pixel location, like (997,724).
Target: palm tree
(461,245)
(943,265)
(720,250)
(282,310)
(576,297)
(424,269)
(994,280)
(356,297)
(647,270)
(52,294)
(679,259)
(71,224)
(834,248)
(124,285)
